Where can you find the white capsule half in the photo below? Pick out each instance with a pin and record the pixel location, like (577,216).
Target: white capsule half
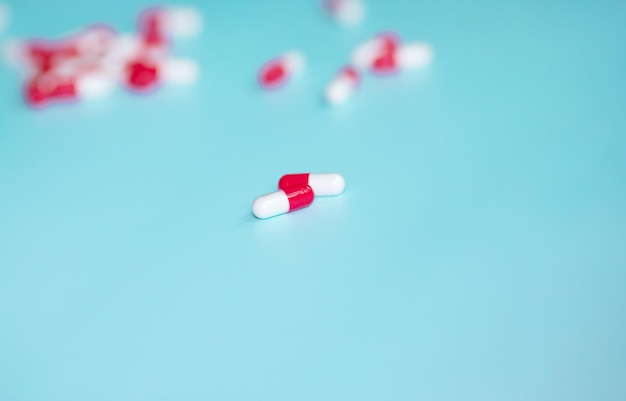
(95,84)
(415,55)
(349,12)
(183,22)
(338,91)
(327,184)
(295,61)
(180,71)
(270,205)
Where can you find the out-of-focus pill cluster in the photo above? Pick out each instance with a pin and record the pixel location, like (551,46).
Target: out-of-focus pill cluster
(91,62)
(384,54)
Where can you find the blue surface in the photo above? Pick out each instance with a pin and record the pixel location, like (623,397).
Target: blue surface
(478,253)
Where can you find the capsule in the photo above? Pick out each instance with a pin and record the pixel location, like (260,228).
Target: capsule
(158,25)
(144,75)
(342,87)
(49,87)
(276,72)
(346,12)
(285,200)
(326,184)
(381,46)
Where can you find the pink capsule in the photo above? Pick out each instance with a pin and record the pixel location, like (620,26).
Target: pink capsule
(343,85)
(278,71)
(285,200)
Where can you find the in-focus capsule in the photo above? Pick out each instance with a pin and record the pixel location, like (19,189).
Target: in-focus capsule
(326,184)
(343,85)
(346,12)
(277,71)
(285,200)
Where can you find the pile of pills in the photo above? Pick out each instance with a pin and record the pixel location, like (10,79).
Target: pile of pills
(92,61)
(297,191)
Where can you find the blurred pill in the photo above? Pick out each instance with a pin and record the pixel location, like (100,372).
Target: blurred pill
(158,25)
(50,87)
(279,70)
(183,22)
(381,46)
(145,75)
(342,86)
(346,12)
(325,184)
(283,201)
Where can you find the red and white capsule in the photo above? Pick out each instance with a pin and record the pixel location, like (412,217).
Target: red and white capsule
(145,74)
(158,25)
(50,87)
(285,200)
(342,86)
(325,184)
(276,72)
(346,12)
(383,45)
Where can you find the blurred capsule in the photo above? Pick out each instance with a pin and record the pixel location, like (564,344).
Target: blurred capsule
(346,12)
(158,25)
(342,86)
(382,45)
(50,87)
(279,70)
(144,74)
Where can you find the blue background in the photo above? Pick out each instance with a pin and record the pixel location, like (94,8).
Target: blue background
(478,253)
